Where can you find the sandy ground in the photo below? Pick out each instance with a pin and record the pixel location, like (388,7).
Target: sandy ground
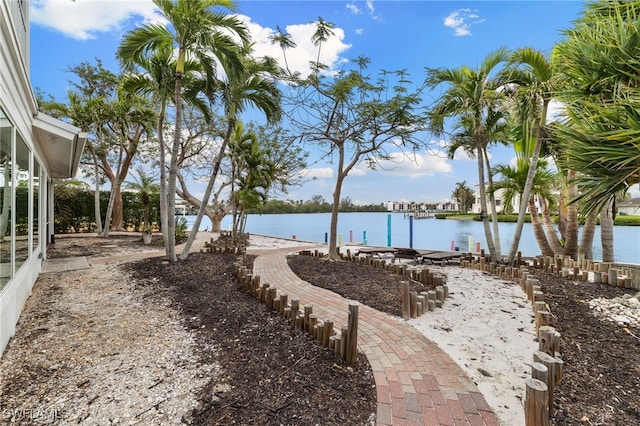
(486,327)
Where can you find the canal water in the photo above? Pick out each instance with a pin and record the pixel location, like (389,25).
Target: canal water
(393,229)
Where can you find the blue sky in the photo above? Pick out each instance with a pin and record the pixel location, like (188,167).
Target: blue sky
(409,35)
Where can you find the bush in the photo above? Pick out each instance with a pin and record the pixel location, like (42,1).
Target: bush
(627,221)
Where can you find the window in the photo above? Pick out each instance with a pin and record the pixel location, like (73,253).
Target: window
(6,137)
(22,201)
(36,204)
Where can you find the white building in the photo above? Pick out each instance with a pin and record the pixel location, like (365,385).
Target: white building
(34,149)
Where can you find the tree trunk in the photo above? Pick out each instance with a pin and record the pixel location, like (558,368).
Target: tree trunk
(231,124)
(606,232)
(586,245)
(538,230)
(183,192)
(333,228)
(483,206)
(528,186)
(571,237)
(117,217)
(492,200)
(552,235)
(96,193)
(170,242)
(163,174)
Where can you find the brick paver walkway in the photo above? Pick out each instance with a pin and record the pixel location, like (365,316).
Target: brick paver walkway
(417,383)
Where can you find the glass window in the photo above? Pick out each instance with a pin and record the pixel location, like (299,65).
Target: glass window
(23,201)
(6,136)
(36,205)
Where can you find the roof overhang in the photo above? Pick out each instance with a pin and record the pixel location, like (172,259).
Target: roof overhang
(61,145)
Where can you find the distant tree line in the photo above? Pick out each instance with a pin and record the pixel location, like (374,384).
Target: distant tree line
(317,204)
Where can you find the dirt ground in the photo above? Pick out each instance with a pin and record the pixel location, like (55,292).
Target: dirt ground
(151,343)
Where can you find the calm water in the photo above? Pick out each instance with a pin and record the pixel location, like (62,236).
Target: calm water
(427,233)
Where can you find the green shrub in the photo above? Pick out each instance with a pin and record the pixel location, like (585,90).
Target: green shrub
(627,220)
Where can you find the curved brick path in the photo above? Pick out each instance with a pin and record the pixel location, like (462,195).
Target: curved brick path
(416,382)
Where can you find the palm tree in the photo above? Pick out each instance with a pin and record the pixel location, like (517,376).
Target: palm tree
(601,71)
(532,73)
(471,94)
(153,76)
(145,185)
(285,42)
(324,30)
(496,128)
(250,85)
(195,30)
(514,181)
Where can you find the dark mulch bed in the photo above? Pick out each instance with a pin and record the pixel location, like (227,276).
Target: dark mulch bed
(370,286)
(601,379)
(277,373)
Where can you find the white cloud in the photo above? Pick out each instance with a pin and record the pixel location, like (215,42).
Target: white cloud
(359,31)
(320,172)
(83,19)
(370,6)
(461,21)
(299,57)
(409,165)
(353,8)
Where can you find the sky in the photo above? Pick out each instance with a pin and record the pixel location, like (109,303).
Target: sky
(410,35)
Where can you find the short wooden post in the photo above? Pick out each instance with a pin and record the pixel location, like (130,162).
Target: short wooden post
(539,371)
(352,334)
(549,362)
(308,309)
(406,304)
(536,409)
(327,333)
(283,303)
(413,304)
(295,306)
(311,328)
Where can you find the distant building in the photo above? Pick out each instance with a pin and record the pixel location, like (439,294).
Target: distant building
(35,149)
(631,207)
(412,206)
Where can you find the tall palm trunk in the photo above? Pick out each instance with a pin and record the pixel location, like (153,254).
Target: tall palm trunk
(163,174)
(170,244)
(483,206)
(606,232)
(571,235)
(538,230)
(552,235)
(231,125)
(528,186)
(588,232)
(492,200)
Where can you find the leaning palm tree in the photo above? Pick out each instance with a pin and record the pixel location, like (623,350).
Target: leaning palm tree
(251,86)
(532,74)
(513,183)
(194,29)
(470,93)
